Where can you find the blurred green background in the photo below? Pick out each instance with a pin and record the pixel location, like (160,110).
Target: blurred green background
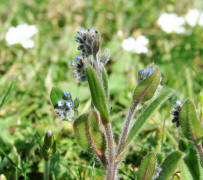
(27,113)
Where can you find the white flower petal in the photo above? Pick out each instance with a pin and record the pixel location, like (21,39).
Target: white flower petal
(128,44)
(136,45)
(21,34)
(192,17)
(28,44)
(170,22)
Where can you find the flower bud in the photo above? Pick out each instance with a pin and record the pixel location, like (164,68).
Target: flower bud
(48,139)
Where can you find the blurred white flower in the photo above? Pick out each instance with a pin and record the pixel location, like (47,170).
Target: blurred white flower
(135,45)
(170,22)
(120,34)
(194,17)
(21,34)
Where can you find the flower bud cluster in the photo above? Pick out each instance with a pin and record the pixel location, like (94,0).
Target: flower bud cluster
(67,108)
(144,74)
(176,112)
(89,41)
(79,69)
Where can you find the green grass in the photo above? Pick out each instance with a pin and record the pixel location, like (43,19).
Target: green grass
(27,76)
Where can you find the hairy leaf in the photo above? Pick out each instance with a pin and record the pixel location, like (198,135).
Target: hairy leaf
(147,168)
(169,165)
(192,160)
(105,83)
(88,133)
(98,94)
(96,136)
(80,131)
(185,172)
(164,95)
(189,121)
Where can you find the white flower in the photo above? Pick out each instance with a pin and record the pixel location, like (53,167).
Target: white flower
(135,45)
(128,44)
(170,22)
(120,33)
(194,17)
(21,34)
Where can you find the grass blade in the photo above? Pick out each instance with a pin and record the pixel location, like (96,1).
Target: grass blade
(6,96)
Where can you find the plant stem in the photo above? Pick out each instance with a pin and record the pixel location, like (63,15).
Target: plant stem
(46,169)
(111,153)
(199,148)
(124,134)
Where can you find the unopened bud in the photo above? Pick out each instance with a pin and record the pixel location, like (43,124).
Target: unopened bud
(48,139)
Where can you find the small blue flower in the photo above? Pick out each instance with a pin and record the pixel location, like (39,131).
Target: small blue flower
(81,31)
(177,103)
(67,94)
(78,58)
(92,29)
(69,104)
(72,63)
(60,103)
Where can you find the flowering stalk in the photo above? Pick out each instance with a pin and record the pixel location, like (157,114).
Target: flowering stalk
(89,66)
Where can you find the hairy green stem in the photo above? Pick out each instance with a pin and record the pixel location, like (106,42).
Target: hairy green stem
(199,149)
(124,134)
(46,169)
(111,153)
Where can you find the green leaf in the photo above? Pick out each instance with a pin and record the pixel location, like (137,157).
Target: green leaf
(176,177)
(95,135)
(147,113)
(8,92)
(147,168)
(146,88)
(192,160)
(105,83)
(185,172)
(56,94)
(88,133)
(98,94)
(183,145)
(169,165)
(189,121)
(80,131)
